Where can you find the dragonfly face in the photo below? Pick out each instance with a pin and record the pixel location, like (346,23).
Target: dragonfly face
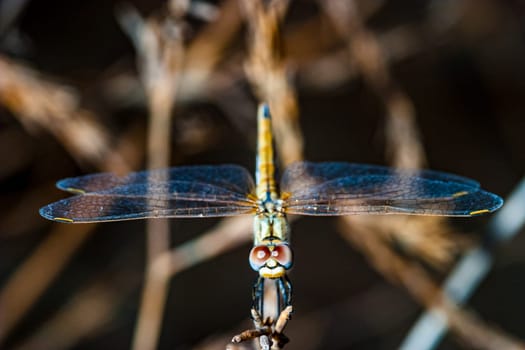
(271,259)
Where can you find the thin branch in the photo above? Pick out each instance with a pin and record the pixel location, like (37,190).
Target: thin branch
(406,151)
(39,102)
(10,10)
(37,272)
(205,52)
(404,145)
(228,234)
(468,274)
(160,48)
(12,85)
(268,331)
(89,310)
(423,289)
(268,73)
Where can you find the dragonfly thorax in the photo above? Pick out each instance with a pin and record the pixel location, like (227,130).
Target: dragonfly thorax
(270,225)
(270,206)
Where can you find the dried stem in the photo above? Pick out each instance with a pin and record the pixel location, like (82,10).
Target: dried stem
(160,49)
(36,101)
(467,275)
(404,146)
(267,71)
(207,49)
(89,310)
(268,331)
(423,289)
(228,234)
(405,149)
(37,272)
(49,105)
(32,85)
(10,10)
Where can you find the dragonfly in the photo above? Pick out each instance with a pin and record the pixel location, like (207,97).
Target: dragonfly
(305,188)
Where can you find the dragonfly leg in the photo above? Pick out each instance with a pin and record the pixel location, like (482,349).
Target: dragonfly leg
(285,289)
(279,296)
(258,295)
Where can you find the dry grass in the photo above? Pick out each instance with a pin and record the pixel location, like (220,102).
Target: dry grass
(177,67)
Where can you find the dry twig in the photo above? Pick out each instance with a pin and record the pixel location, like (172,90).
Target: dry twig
(37,272)
(37,101)
(406,151)
(465,278)
(268,331)
(269,75)
(416,280)
(404,147)
(90,310)
(160,49)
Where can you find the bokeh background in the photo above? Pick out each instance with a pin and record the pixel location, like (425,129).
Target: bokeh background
(460,64)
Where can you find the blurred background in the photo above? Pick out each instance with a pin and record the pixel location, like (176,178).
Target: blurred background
(438,84)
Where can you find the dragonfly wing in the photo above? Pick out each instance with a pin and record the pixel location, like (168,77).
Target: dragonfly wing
(232,177)
(302,175)
(148,200)
(345,188)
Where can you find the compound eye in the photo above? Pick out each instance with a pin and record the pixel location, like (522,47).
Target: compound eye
(258,256)
(283,254)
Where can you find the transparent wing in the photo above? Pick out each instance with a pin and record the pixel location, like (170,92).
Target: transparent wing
(106,197)
(345,188)
(232,177)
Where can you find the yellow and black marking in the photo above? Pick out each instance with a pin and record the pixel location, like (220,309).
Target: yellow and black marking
(251,197)
(265,155)
(66,220)
(478,212)
(459,194)
(285,195)
(75,190)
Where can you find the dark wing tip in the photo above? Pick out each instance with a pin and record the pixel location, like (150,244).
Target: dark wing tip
(65,186)
(493,204)
(47,213)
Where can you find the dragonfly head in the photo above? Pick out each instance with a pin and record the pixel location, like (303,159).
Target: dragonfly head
(271,259)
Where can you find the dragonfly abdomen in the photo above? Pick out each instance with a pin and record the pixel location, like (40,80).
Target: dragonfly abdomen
(265,167)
